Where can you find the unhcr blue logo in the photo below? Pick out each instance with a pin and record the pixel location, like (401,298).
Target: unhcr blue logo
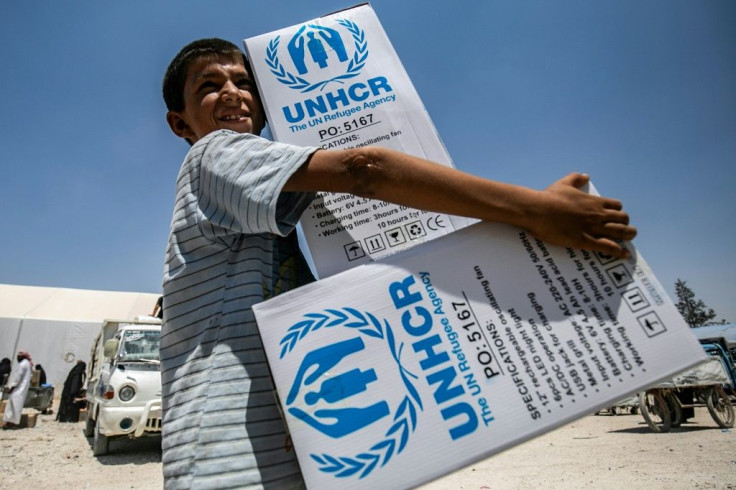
(325,384)
(312,50)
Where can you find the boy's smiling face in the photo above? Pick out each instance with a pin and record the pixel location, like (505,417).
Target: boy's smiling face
(219,93)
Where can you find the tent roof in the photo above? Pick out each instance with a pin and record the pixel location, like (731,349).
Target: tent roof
(82,305)
(714,331)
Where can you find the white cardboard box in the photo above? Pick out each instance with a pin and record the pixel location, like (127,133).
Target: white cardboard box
(392,374)
(336,82)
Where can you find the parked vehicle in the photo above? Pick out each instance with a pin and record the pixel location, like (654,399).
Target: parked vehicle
(710,384)
(124,382)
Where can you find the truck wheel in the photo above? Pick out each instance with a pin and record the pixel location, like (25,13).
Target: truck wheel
(720,407)
(89,426)
(655,411)
(100,443)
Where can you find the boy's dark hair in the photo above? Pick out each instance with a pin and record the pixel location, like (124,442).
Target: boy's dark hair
(176,73)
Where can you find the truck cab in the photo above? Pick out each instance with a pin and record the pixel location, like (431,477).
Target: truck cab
(124,382)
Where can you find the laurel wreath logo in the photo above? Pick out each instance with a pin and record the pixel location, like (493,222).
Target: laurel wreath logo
(404,420)
(298,83)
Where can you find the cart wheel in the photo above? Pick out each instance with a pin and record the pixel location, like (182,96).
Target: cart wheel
(655,410)
(720,407)
(675,409)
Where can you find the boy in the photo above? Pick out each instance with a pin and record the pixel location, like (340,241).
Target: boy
(231,246)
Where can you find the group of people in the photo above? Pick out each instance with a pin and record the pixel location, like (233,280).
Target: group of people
(16,383)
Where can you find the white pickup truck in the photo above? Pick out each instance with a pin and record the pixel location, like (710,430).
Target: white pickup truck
(124,382)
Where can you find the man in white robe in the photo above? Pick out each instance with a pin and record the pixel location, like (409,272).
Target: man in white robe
(17,390)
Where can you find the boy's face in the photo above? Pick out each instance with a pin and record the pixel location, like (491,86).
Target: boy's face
(218,94)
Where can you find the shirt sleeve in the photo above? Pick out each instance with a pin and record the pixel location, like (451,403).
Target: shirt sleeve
(241,178)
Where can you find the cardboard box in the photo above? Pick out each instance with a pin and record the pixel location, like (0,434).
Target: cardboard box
(392,374)
(336,82)
(28,420)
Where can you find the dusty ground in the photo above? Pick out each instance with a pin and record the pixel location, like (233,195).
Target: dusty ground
(601,452)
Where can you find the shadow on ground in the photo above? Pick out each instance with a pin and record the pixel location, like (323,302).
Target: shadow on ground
(643,428)
(131,451)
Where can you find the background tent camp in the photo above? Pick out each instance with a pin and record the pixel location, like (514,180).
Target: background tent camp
(57,326)
(728,332)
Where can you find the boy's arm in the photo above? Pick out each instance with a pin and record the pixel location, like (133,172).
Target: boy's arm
(561,214)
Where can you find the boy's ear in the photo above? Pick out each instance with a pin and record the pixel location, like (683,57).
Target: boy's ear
(179,126)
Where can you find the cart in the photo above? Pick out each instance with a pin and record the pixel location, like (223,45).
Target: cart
(705,385)
(39,397)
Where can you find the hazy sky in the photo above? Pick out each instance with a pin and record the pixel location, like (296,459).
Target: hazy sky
(641,95)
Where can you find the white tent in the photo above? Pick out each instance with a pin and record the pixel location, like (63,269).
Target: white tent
(57,326)
(715,331)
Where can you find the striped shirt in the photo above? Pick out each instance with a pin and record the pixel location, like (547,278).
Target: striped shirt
(230,247)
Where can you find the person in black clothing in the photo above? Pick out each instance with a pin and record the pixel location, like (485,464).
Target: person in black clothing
(41,376)
(4,371)
(158,310)
(73,389)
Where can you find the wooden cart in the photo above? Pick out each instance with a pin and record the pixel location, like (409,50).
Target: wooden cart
(706,385)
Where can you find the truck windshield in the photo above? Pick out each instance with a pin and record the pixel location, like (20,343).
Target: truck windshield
(140,345)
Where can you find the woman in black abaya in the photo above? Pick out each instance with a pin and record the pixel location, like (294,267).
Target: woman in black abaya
(73,388)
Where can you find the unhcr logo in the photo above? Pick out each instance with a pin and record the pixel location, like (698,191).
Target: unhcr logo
(325,393)
(335,389)
(321,61)
(314,49)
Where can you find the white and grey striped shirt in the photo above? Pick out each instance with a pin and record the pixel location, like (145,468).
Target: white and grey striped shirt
(228,250)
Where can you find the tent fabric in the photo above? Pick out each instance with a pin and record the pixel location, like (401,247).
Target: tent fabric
(58,325)
(72,304)
(727,331)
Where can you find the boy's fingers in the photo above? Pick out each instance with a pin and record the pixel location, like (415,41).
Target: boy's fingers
(616,216)
(575,179)
(619,231)
(608,247)
(609,203)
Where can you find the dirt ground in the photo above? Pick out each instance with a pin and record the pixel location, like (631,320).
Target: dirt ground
(598,451)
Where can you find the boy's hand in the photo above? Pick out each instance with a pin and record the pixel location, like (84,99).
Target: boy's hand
(568,216)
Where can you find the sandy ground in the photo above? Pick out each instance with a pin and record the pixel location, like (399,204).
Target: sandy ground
(598,451)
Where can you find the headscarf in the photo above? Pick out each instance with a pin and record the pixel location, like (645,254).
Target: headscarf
(25,355)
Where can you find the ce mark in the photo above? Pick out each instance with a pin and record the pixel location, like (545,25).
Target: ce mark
(436,222)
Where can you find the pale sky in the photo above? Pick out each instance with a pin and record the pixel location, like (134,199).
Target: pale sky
(640,95)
